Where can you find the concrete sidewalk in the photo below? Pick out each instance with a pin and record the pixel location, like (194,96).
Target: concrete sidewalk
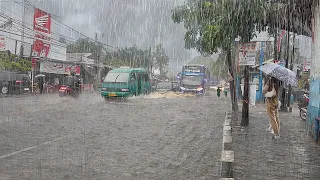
(259,156)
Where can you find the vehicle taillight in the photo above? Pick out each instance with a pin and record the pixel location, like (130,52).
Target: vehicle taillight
(19,82)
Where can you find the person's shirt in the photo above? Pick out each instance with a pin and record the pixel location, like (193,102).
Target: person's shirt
(56,81)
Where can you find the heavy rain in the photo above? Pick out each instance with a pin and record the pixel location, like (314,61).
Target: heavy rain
(159,89)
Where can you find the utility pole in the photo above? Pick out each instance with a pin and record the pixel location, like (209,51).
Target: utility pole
(23,27)
(260,73)
(98,46)
(291,67)
(245,106)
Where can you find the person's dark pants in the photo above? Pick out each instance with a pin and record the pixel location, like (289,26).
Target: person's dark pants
(41,89)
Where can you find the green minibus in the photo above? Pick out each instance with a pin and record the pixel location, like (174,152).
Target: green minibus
(125,82)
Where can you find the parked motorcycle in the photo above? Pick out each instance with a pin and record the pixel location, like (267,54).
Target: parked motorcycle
(304,101)
(50,88)
(67,90)
(303,113)
(303,105)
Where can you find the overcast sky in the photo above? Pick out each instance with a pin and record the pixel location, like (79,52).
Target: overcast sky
(123,23)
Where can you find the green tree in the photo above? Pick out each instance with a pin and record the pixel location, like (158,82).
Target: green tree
(214,25)
(85,45)
(14,63)
(161,60)
(132,57)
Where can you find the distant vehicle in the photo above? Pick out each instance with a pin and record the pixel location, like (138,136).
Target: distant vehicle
(164,87)
(125,82)
(11,82)
(71,85)
(175,87)
(194,78)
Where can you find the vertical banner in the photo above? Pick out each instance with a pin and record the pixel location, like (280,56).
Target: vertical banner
(42,33)
(2,43)
(34,62)
(252,94)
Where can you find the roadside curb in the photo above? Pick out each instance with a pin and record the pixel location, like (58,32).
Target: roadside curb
(227,154)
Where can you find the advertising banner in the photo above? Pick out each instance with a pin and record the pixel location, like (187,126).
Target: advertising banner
(247,54)
(59,68)
(52,67)
(72,68)
(2,43)
(42,30)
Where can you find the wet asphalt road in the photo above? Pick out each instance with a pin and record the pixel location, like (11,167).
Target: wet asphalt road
(47,137)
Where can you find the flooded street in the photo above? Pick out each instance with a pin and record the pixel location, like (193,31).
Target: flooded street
(151,137)
(251,67)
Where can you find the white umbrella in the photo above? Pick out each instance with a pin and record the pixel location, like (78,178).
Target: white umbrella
(40,75)
(279,72)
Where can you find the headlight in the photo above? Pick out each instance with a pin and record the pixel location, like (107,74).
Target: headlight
(104,89)
(182,88)
(199,89)
(124,90)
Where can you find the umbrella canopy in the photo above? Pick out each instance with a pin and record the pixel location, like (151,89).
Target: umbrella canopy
(279,72)
(40,75)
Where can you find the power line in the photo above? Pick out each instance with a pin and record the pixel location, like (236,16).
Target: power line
(31,44)
(32,38)
(68,26)
(21,23)
(16,21)
(60,35)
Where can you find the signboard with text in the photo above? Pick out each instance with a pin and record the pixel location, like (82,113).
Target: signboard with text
(59,68)
(247,54)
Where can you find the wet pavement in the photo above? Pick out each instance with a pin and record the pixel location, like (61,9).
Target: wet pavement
(258,156)
(152,137)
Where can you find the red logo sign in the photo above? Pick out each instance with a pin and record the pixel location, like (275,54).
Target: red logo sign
(42,21)
(42,28)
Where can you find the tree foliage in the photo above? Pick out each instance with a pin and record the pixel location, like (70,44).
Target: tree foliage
(214,24)
(161,60)
(128,56)
(132,57)
(85,45)
(14,63)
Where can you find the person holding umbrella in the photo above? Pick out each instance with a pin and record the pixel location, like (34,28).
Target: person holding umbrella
(275,73)
(270,90)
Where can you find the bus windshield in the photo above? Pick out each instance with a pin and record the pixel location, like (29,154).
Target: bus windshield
(192,79)
(116,77)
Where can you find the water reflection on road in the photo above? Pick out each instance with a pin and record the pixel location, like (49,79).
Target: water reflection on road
(158,136)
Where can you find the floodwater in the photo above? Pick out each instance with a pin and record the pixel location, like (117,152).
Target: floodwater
(48,137)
